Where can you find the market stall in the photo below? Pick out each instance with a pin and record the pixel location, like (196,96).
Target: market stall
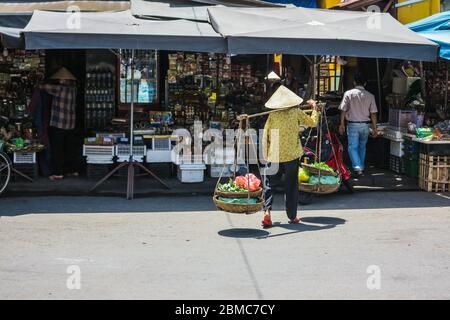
(432,137)
(184,70)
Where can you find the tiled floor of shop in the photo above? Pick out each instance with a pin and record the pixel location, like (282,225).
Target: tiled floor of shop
(374,179)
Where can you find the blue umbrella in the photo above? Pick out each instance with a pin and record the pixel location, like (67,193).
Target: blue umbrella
(437,29)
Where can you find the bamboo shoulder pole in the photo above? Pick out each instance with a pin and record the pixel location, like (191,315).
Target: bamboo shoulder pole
(240,117)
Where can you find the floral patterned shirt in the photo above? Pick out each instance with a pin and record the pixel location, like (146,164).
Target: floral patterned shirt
(281,141)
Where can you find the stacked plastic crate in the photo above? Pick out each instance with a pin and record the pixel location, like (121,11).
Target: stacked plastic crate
(26,163)
(411,158)
(98,159)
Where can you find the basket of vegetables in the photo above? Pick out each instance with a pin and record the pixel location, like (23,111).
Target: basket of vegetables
(318,183)
(319,168)
(232,190)
(241,195)
(239,205)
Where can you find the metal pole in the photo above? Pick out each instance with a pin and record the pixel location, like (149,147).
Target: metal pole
(422,81)
(380,112)
(446,87)
(132,105)
(314,77)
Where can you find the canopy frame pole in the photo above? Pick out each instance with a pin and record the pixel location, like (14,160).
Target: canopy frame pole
(314,71)
(446,87)
(422,80)
(132,66)
(380,113)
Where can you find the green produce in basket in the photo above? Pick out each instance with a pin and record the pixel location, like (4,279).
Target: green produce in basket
(231,187)
(239,200)
(323,166)
(324,180)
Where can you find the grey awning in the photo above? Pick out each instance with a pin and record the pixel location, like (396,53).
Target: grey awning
(188,9)
(319,32)
(97,30)
(178,9)
(10,37)
(10,27)
(28,6)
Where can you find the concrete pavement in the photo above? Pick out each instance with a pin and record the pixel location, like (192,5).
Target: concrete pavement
(182,248)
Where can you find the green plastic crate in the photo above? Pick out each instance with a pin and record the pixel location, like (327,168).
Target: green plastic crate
(411,167)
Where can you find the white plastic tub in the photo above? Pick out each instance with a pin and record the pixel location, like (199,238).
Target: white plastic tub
(191,173)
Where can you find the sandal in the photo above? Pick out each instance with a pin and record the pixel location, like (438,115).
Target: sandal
(55,177)
(295,221)
(267,222)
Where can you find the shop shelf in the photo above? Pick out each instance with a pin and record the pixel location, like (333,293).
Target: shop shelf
(434,173)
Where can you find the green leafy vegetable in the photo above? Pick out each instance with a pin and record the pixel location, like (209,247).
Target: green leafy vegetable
(323,166)
(231,187)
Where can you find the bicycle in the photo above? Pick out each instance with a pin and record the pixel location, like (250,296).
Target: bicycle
(5,171)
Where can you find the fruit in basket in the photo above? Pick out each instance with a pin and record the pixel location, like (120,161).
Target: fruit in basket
(303,175)
(248,182)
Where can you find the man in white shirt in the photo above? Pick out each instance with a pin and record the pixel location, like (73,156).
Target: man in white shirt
(359,108)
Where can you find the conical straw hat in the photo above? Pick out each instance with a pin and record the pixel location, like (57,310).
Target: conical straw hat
(283,98)
(273,76)
(63,74)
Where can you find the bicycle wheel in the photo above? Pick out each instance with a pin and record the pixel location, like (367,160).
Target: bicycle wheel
(5,171)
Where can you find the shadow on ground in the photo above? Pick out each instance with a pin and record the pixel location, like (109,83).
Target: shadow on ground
(308,224)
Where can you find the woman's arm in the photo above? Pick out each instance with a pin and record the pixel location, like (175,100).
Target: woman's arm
(306,120)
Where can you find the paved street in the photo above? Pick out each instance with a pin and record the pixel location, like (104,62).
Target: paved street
(182,248)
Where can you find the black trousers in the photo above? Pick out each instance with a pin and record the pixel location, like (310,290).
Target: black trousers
(60,148)
(290,170)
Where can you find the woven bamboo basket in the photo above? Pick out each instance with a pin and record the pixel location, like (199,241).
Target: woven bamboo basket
(319,188)
(238,207)
(225,194)
(317,171)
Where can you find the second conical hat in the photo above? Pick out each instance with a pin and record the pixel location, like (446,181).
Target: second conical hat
(63,74)
(283,98)
(273,76)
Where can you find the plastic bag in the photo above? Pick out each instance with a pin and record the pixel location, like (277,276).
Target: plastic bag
(324,180)
(239,200)
(249,182)
(423,132)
